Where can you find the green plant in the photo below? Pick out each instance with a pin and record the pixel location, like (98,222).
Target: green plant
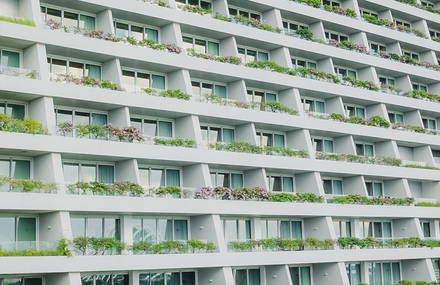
(256,23)
(421,166)
(224,59)
(29,126)
(219,16)
(97,246)
(305,33)
(275,106)
(378,122)
(358,199)
(17,21)
(175,94)
(427,204)
(175,142)
(196,9)
(174,191)
(27,185)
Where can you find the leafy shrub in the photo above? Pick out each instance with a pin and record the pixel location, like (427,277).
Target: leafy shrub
(29,126)
(170,246)
(27,185)
(17,21)
(97,246)
(224,59)
(358,199)
(305,33)
(175,142)
(250,148)
(196,9)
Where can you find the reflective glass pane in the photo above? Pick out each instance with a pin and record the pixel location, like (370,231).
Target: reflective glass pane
(70,19)
(87,22)
(173,177)
(94,227)
(157,279)
(70,171)
(112,228)
(129,80)
(396,272)
(15,111)
(285,230)
(121,30)
(120,279)
(228,135)
(231,230)
(152,34)
(136,224)
(181,230)
(272,228)
(21,169)
(78,227)
(387,273)
(297,230)
(294,275)
(213,48)
(337,187)
(236,180)
(76,69)
(220,91)
(188,278)
(137,33)
(165,129)
(149,230)
(7,233)
(164,229)
(158,82)
(241,277)
(278,140)
(305,276)
(254,277)
(106,174)
(143,176)
(142,81)
(173,278)
(93,71)
(157,178)
(287,184)
(144,279)
(149,128)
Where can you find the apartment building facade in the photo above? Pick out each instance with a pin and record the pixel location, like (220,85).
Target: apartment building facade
(197,142)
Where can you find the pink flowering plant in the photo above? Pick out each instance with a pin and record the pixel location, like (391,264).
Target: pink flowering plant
(225,59)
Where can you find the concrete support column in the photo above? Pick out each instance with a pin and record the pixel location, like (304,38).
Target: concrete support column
(196,176)
(422,26)
(386,15)
(360,38)
(237,91)
(281,56)
(330,273)
(434,88)
(273,18)
(256,178)
(171,34)
(320,228)
(63,279)
(431,190)
(111,71)
(345,144)
(397,188)
(355,185)
(326,65)
(189,127)
(379,109)
(413,118)
(429,56)
(387,149)
(292,99)
(53,227)
(216,276)
(127,170)
(278,275)
(30,10)
(180,80)
(318,30)
(228,47)
(104,22)
(394,48)
(369,73)
(208,228)
(49,168)
(246,133)
(42,110)
(35,59)
(127,232)
(221,7)
(334,105)
(418,270)
(353,5)
(309,182)
(404,228)
(119,117)
(404,83)
(424,154)
(301,140)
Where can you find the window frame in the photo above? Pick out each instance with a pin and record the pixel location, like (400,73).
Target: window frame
(238,220)
(369,12)
(398,21)
(20,56)
(310,266)
(143,26)
(157,120)
(307,62)
(393,114)
(95,274)
(91,162)
(363,143)
(292,22)
(164,168)
(257,50)
(338,68)
(160,217)
(229,172)
(278,221)
(412,54)
(332,179)
(380,47)
(248,11)
(330,33)
(254,90)
(428,119)
(11,158)
(314,100)
(322,138)
(221,127)
(282,176)
(16,217)
(372,221)
(370,265)
(62,9)
(16,102)
(247,268)
(340,221)
(206,39)
(181,271)
(260,132)
(213,83)
(356,108)
(150,73)
(373,182)
(68,60)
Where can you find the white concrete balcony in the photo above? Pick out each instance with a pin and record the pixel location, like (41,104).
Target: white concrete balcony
(29,265)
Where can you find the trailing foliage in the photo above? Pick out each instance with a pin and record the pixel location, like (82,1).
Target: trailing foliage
(339,10)
(416,129)
(195,9)
(219,16)
(254,194)
(427,204)
(385,22)
(97,246)
(175,142)
(178,94)
(421,166)
(348,45)
(17,21)
(29,126)
(421,94)
(413,242)
(108,131)
(61,250)
(408,60)
(360,159)
(255,23)
(27,185)
(250,148)
(305,33)
(278,244)
(170,246)
(88,81)
(225,59)
(375,121)
(362,200)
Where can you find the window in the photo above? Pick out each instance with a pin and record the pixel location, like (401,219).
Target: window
(333,186)
(301,275)
(234,11)
(14,110)
(227,179)
(247,276)
(342,228)
(429,123)
(299,62)
(152,177)
(436,263)
(16,168)
(21,281)
(313,105)
(237,229)
(153,127)
(386,80)
(9,59)
(258,96)
(88,172)
(376,48)
(268,138)
(365,149)
(211,135)
(204,89)
(284,229)
(136,81)
(341,72)
(395,118)
(18,232)
(137,31)
(251,54)
(404,23)
(279,183)
(74,68)
(379,230)
(434,33)
(426,228)
(384,273)
(354,111)
(201,3)
(331,3)
(290,27)
(107,279)
(354,273)
(96,226)
(79,117)
(413,55)
(168,278)
(419,86)
(323,145)
(200,45)
(68,18)
(156,230)
(330,35)
(427,4)
(374,189)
